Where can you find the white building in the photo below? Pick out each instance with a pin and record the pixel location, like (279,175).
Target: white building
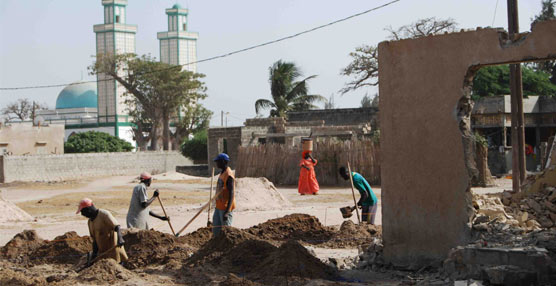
(178,46)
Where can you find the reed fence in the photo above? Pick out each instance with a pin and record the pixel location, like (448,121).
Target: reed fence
(280,163)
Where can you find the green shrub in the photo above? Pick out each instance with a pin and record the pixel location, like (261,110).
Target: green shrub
(195,148)
(95,142)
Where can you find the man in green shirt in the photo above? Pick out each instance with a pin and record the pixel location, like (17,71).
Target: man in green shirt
(368,201)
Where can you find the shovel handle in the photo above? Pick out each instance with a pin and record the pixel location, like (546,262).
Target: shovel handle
(164,211)
(353,193)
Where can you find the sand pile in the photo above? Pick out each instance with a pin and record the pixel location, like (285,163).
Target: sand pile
(105,270)
(175,176)
(64,249)
(291,260)
(149,247)
(197,238)
(21,245)
(9,212)
(295,226)
(259,194)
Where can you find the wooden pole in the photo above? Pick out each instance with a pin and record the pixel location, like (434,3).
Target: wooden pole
(353,193)
(164,211)
(198,213)
(210,196)
(516,87)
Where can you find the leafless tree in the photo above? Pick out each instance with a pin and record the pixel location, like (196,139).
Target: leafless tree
(364,65)
(22,109)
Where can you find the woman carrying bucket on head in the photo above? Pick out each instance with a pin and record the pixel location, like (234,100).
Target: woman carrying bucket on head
(308,184)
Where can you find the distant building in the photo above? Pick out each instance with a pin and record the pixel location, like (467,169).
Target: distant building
(26,139)
(178,46)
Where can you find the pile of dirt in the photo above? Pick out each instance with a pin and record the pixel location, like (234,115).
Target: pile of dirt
(259,194)
(291,260)
(9,212)
(233,280)
(64,249)
(197,238)
(150,247)
(295,226)
(246,256)
(18,278)
(353,235)
(21,246)
(215,247)
(105,270)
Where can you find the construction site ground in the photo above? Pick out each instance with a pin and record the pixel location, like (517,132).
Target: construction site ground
(191,260)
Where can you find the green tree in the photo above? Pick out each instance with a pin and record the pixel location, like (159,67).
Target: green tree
(288,94)
(196,148)
(159,90)
(495,80)
(547,13)
(193,118)
(364,62)
(366,101)
(94,142)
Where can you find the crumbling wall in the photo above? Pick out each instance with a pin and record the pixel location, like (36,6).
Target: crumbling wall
(76,166)
(425,178)
(339,116)
(215,143)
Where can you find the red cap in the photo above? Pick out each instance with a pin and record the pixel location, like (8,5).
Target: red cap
(145,176)
(84,203)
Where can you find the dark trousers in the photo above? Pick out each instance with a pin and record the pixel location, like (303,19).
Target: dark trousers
(369,213)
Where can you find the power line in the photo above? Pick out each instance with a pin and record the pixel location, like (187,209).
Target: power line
(222,55)
(494,16)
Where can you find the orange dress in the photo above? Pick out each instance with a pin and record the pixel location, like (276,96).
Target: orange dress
(308,184)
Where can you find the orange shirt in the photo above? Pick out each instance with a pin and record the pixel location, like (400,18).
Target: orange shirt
(224,197)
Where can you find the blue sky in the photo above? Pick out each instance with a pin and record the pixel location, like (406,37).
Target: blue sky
(52,41)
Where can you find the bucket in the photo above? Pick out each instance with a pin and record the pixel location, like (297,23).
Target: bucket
(307,144)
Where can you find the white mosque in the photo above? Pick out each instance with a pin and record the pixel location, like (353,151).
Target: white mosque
(100,106)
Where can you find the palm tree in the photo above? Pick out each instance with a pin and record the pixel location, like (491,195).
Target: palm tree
(287,93)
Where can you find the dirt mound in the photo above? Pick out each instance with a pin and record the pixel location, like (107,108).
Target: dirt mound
(259,194)
(233,280)
(246,256)
(215,247)
(18,278)
(197,238)
(21,245)
(105,270)
(148,247)
(292,260)
(352,235)
(9,212)
(295,226)
(64,249)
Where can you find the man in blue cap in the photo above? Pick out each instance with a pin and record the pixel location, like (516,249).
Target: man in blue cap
(225,201)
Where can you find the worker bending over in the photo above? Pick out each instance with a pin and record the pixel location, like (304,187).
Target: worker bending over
(105,232)
(368,201)
(225,201)
(138,213)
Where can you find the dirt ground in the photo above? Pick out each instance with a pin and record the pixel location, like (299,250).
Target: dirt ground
(268,248)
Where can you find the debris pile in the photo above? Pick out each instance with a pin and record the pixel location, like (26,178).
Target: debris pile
(259,194)
(533,210)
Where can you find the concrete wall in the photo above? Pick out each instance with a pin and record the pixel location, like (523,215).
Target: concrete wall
(424,113)
(340,116)
(215,143)
(74,166)
(24,138)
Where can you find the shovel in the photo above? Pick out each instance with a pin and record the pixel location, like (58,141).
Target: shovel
(347,212)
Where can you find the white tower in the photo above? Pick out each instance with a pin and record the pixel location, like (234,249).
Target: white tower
(114,37)
(178,46)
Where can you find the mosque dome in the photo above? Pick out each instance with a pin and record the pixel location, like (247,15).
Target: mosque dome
(176,6)
(78,95)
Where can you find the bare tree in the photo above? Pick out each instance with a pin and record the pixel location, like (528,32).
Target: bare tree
(364,64)
(23,109)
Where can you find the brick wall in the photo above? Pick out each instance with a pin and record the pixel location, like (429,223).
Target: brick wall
(75,166)
(215,143)
(341,116)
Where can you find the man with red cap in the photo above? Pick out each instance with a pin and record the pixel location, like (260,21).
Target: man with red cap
(138,213)
(108,241)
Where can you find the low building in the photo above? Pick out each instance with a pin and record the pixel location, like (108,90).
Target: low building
(27,139)
(491,117)
(342,124)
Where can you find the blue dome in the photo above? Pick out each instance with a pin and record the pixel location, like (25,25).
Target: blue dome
(176,6)
(78,95)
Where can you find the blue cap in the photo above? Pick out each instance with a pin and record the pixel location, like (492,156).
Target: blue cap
(222,156)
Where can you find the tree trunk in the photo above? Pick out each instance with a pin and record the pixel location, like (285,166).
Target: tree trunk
(166,132)
(485,177)
(156,134)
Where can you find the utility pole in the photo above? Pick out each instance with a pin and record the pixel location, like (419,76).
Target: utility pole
(516,87)
(222,118)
